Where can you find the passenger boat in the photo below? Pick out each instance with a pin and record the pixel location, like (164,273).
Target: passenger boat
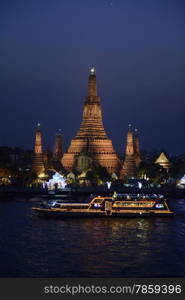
(123,205)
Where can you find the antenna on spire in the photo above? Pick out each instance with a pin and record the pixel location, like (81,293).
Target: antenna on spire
(38,125)
(129,126)
(92,71)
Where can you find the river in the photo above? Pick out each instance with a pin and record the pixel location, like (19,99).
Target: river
(31,246)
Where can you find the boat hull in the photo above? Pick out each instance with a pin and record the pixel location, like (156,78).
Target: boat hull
(57,213)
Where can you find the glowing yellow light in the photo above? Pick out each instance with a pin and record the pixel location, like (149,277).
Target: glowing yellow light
(42,175)
(92,71)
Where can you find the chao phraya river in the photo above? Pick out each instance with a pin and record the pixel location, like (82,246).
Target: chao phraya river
(31,246)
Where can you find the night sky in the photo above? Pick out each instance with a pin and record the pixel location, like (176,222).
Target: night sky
(137,47)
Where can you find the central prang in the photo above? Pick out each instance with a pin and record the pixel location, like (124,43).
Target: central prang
(91,139)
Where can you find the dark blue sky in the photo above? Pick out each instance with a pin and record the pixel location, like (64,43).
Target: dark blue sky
(137,48)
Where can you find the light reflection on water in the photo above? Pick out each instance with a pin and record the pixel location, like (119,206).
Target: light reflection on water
(38,247)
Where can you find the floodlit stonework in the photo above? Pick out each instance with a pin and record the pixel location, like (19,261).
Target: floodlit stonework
(129,165)
(38,165)
(163,161)
(137,154)
(92,135)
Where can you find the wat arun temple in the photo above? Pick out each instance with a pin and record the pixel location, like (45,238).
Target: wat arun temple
(91,139)
(91,146)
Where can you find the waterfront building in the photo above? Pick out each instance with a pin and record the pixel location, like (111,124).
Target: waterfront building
(91,136)
(90,148)
(38,164)
(57,181)
(163,161)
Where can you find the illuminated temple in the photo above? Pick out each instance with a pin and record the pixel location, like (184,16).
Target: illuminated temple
(137,154)
(38,164)
(91,146)
(91,142)
(132,155)
(163,161)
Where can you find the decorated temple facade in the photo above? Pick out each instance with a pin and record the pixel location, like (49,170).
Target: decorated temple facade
(91,148)
(163,161)
(137,154)
(91,138)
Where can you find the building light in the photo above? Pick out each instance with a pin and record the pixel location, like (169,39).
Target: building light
(58,180)
(140,185)
(108,184)
(42,175)
(92,71)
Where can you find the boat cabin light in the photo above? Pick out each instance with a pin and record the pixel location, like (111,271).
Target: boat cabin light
(159,205)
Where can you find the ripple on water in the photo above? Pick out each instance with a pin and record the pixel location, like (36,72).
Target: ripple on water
(38,247)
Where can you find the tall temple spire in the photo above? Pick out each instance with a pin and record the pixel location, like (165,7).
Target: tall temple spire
(38,165)
(38,140)
(92,130)
(137,153)
(92,123)
(92,85)
(58,149)
(130,142)
(129,166)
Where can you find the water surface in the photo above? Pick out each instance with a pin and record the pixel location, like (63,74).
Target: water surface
(31,246)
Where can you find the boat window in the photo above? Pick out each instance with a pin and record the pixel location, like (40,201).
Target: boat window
(132,204)
(117,203)
(97,205)
(97,201)
(159,205)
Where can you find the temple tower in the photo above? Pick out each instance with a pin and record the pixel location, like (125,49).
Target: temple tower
(137,154)
(58,149)
(38,165)
(129,165)
(92,132)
